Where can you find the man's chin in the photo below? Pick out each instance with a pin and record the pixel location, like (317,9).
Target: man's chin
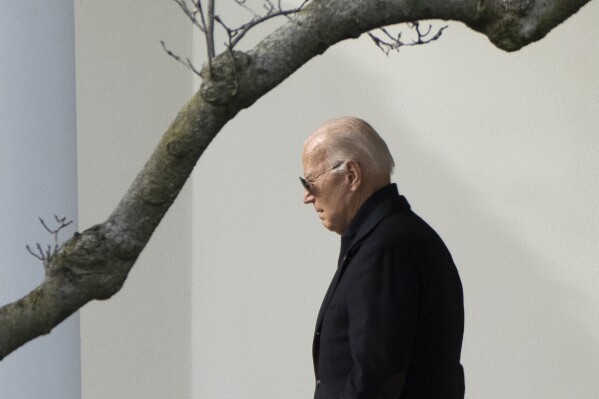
(330,227)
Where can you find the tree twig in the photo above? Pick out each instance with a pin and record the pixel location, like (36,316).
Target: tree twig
(46,254)
(272,11)
(191,14)
(391,42)
(187,63)
(210,32)
(204,20)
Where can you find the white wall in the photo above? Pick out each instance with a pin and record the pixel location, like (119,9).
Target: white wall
(38,178)
(137,344)
(497,151)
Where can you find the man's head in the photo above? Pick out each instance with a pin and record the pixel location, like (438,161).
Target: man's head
(345,162)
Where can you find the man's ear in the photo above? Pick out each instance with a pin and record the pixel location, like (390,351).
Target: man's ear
(354,174)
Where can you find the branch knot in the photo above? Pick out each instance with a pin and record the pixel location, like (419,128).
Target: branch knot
(221,83)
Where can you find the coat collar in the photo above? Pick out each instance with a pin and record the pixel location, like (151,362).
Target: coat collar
(382,203)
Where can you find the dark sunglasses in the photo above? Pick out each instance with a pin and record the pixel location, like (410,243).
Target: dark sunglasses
(308,183)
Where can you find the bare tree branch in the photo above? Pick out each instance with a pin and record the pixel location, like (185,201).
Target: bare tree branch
(40,254)
(210,30)
(187,63)
(192,14)
(94,264)
(206,21)
(46,255)
(395,42)
(236,34)
(243,4)
(205,24)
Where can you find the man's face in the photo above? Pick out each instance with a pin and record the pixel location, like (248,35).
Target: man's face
(329,190)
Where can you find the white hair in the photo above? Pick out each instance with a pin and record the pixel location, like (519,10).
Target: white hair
(352,138)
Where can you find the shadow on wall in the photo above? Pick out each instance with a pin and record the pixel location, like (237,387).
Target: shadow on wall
(528,332)
(527,335)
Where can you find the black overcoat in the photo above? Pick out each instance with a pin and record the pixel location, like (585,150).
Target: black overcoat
(394,308)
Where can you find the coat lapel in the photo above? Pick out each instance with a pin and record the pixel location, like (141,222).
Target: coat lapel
(388,208)
(377,213)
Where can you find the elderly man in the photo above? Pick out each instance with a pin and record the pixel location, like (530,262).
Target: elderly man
(392,320)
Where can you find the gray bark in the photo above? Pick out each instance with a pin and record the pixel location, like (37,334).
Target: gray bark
(94,264)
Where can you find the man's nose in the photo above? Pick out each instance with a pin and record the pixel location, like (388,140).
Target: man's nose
(308,197)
